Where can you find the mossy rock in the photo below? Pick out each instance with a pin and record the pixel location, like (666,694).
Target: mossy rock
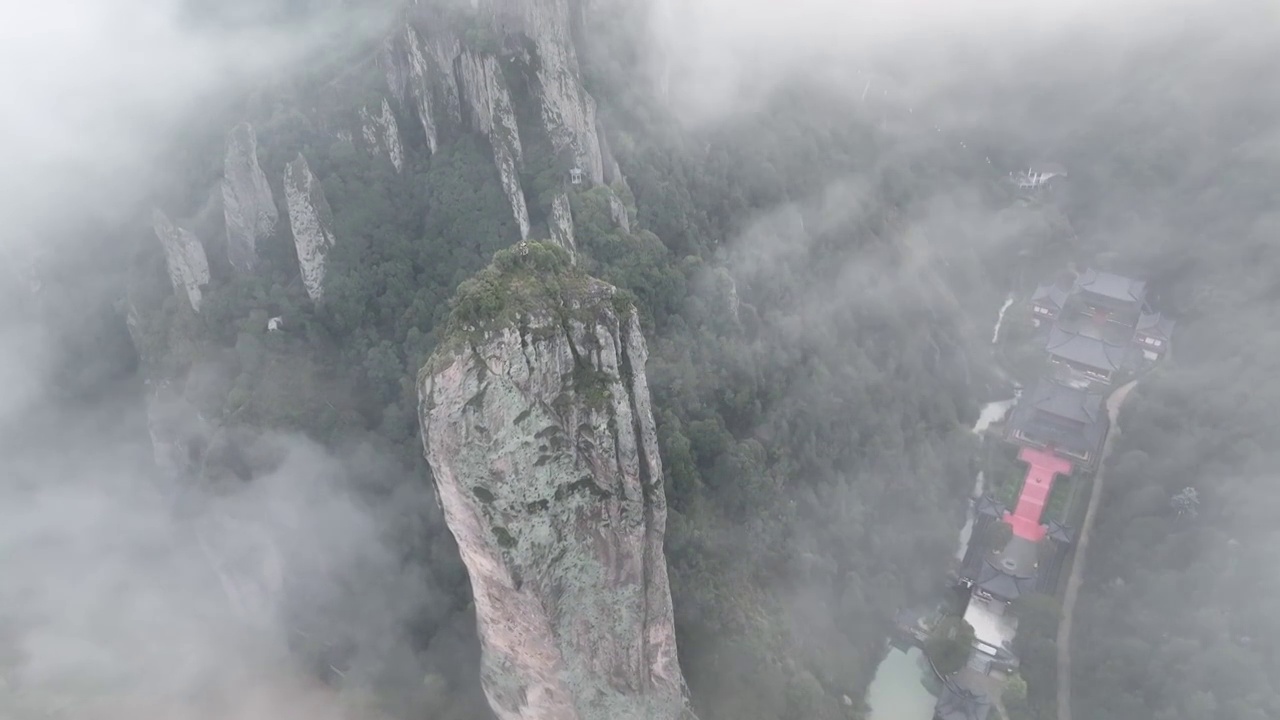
(531,279)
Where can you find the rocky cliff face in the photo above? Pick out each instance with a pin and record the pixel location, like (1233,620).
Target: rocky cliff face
(184,255)
(419,73)
(561,222)
(568,110)
(432,74)
(491,112)
(538,429)
(435,77)
(618,212)
(381,134)
(247,203)
(311,222)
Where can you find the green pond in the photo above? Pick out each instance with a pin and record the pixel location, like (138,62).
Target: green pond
(898,691)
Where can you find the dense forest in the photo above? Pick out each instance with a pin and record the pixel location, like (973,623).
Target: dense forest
(1173,621)
(770,259)
(816,277)
(1170,179)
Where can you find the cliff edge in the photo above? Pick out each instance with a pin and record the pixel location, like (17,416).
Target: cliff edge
(537,425)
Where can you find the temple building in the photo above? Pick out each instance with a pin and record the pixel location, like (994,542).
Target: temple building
(1153,334)
(1067,420)
(996,577)
(1079,356)
(1098,326)
(1047,302)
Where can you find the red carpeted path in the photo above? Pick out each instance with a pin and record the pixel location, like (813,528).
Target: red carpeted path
(1043,466)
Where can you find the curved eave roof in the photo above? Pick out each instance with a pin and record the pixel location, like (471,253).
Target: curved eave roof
(1085,350)
(1110,285)
(1155,324)
(1002,584)
(1051,294)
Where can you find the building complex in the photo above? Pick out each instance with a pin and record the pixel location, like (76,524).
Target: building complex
(1096,329)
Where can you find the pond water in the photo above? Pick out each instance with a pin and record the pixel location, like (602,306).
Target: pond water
(898,692)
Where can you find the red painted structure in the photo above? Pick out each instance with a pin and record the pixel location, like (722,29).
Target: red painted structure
(1043,467)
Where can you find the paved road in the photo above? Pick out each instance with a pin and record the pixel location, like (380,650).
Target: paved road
(1077,567)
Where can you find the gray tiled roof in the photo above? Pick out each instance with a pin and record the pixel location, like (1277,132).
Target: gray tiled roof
(1059,532)
(1058,415)
(1156,325)
(1051,294)
(1071,403)
(1004,585)
(1085,350)
(989,506)
(1110,285)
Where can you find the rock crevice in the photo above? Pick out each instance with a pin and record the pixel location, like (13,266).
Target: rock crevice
(491,112)
(568,110)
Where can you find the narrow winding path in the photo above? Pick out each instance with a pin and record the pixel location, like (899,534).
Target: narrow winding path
(1114,401)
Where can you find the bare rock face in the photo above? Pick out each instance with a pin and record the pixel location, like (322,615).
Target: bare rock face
(311,221)
(568,110)
(488,98)
(509,172)
(618,212)
(248,205)
(433,76)
(561,222)
(612,171)
(185,257)
(538,429)
(489,101)
(381,134)
(419,73)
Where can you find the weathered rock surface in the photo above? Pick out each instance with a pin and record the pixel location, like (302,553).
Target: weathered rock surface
(561,222)
(539,432)
(248,204)
(612,171)
(489,103)
(419,72)
(433,76)
(311,221)
(509,173)
(381,134)
(618,212)
(185,257)
(568,110)
(489,99)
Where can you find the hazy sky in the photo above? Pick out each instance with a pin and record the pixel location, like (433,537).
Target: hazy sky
(722,52)
(92,85)
(112,593)
(93,88)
